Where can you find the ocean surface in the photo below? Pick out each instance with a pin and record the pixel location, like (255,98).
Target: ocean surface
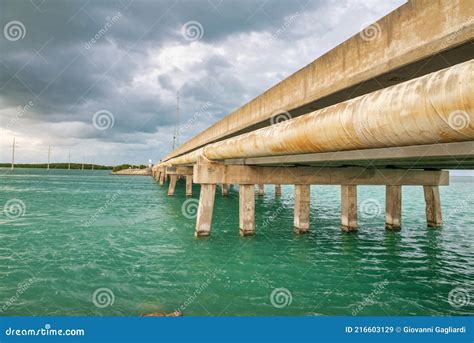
(88,243)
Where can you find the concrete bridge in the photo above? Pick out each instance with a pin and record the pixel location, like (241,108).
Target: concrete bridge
(393,106)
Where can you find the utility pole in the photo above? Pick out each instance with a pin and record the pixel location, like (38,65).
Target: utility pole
(13,154)
(176,129)
(177,118)
(49,155)
(69,160)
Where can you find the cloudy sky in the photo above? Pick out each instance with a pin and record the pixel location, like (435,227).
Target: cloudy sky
(99,78)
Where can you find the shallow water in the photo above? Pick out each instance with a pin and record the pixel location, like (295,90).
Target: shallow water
(81,231)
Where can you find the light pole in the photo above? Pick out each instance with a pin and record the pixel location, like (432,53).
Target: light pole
(13,154)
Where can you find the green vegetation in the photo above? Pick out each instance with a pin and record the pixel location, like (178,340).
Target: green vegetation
(56,166)
(73,166)
(127,166)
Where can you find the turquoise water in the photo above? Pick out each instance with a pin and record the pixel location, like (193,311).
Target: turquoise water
(77,232)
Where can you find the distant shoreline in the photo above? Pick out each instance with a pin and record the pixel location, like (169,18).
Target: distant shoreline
(133,171)
(75,166)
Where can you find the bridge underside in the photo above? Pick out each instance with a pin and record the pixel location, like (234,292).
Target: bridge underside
(458,155)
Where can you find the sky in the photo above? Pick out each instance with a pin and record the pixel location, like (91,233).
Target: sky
(98,79)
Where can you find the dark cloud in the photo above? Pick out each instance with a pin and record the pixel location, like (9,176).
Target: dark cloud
(130,58)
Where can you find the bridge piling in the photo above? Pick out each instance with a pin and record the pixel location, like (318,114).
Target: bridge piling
(205,209)
(210,173)
(172,185)
(261,190)
(433,206)
(393,200)
(278,190)
(348,208)
(189,185)
(246,210)
(162,178)
(302,209)
(225,189)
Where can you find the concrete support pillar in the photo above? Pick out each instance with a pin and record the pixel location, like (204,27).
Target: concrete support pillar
(348,208)
(393,208)
(189,185)
(225,189)
(205,208)
(433,206)
(162,178)
(246,210)
(172,185)
(261,190)
(278,190)
(302,208)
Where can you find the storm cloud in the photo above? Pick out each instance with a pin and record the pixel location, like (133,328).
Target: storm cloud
(64,64)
